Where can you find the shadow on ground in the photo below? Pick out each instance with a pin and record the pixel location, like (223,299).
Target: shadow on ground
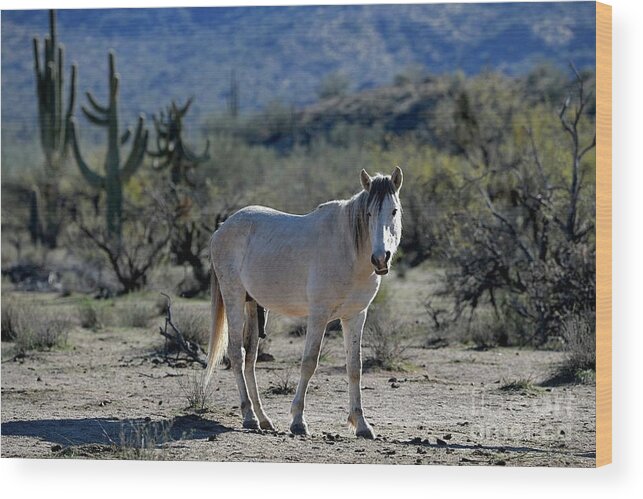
(109,431)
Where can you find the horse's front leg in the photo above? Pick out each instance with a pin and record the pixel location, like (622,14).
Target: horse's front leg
(314,336)
(352,329)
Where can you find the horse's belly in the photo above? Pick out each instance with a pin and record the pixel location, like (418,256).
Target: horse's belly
(278,290)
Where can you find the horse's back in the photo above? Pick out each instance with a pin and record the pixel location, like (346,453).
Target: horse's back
(272,254)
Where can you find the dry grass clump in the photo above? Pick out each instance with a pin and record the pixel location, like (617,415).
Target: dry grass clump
(193,321)
(89,316)
(579,334)
(142,440)
(134,314)
(11,317)
(44,330)
(196,392)
(284,384)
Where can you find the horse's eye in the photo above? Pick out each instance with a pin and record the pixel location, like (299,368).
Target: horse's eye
(395,212)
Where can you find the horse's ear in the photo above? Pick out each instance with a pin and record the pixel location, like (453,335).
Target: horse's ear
(396,178)
(365,178)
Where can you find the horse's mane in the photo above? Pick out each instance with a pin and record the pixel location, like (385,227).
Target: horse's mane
(357,207)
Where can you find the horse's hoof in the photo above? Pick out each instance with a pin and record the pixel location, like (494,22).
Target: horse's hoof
(251,424)
(267,425)
(299,429)
(365,433)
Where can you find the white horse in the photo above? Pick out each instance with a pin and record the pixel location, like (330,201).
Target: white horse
(325,265)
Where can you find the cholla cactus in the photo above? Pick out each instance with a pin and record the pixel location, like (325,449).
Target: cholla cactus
(171,151)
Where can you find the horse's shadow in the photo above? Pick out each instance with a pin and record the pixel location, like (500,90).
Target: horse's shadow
(112,431)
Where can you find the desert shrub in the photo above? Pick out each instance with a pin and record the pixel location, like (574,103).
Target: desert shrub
(42,331)
(134,314)
(89,316)
(11,319)
(385,339)
(579,334)
(284,384)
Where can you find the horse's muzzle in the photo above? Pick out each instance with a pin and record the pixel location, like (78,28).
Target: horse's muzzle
(381,263)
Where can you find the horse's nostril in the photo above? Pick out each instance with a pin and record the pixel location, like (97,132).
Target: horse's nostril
(373,260)
(388,256)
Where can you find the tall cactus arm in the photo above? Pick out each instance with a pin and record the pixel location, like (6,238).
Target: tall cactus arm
(52,26)
(193,158)
(137,153)
(70,109)
(95,104)
(126,135)
(58,118)
(96,120)
(94,179)
(36,59)
(183,110)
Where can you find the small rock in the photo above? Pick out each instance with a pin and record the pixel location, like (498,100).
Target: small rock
(212,438)
(392,380)
(394,385)
(56,448)
(562,432)
(38,378)
(440,442)
(501,462)
(448,436)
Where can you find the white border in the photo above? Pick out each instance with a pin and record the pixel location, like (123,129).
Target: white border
(100,479)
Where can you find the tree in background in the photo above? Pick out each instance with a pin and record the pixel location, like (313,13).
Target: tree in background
(523,240)
(190,233)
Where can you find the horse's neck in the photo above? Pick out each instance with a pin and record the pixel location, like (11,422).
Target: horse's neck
(360,258)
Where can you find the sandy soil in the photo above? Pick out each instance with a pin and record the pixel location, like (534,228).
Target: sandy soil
(108,391)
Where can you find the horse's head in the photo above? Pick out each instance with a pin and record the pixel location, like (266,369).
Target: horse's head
(384,213)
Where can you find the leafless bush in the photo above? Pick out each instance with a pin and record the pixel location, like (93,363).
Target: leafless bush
(144,242)
(521,243)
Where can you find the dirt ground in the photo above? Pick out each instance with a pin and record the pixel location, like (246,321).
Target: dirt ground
(108,395)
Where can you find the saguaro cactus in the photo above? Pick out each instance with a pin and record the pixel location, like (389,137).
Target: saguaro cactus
(171,151)
(116,173)
(53,122)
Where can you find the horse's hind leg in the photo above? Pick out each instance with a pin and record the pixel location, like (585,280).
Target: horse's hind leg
(234,302)
(251,342)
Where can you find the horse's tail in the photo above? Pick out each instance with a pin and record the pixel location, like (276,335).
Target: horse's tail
(219,331)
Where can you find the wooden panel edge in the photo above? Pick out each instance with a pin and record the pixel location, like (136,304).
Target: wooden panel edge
(603,234)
